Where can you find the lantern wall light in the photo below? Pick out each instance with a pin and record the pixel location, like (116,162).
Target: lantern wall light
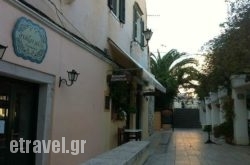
(147,34)
(72,76)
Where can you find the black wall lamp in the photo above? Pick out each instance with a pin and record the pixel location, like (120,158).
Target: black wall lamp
(72,76)
(2,50)
(147,34)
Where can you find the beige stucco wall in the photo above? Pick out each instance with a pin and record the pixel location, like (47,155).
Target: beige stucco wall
(78,111)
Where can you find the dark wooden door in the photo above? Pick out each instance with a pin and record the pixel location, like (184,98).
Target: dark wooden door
(18,119)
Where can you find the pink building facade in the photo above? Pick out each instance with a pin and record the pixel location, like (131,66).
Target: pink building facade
(47,38)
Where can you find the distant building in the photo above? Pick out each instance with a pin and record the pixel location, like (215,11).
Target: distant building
(192,103)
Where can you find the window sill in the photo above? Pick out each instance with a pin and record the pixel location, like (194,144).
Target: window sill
(115,16)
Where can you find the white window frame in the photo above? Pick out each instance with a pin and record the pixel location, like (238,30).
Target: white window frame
(116,8)
(138,22)
(138,27)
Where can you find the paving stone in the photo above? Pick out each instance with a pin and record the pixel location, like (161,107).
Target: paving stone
(187,147)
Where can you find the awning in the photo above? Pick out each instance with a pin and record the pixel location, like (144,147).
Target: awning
(151,79)
(125,60)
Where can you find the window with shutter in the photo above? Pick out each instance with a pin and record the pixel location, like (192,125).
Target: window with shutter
(110,4)
(142,30)
(134,24)
(122,11)
(138,25)
(115,9)
(118,8)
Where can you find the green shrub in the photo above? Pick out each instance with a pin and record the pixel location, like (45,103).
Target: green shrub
(225,129)
(207,128)
(217,131)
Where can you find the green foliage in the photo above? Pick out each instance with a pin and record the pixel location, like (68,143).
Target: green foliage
(229,53)
(172,76)
(228,108)
(226,130)
(132,109)
(122,115)
(207,128)
(217,131)
(119,93)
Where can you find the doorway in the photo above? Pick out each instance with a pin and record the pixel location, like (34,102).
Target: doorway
(18,118)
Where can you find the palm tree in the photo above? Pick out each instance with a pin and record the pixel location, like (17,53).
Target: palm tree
(172,74)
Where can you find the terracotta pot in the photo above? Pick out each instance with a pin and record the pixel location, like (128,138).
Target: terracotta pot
(166,112)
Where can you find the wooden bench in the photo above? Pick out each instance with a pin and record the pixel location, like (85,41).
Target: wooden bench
(131,153)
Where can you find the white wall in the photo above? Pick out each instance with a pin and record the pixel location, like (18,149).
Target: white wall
(93,21)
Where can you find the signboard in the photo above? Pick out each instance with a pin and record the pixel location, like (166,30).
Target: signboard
(118,78)
(29,40)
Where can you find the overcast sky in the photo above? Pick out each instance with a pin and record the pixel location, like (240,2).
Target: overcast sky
(184,24)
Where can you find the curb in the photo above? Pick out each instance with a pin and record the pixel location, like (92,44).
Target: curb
(158,143)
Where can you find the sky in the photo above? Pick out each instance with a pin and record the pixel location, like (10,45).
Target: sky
(185,25)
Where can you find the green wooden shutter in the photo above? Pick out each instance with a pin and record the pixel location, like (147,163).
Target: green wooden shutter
(122,11)
(115,6)
(142,30)
(110,4)
(134,24)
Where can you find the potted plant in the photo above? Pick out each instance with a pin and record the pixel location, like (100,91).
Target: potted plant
(132,109)
(119,94)
(166,112)
(122,115)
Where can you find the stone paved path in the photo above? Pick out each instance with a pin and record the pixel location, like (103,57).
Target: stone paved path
(187,147)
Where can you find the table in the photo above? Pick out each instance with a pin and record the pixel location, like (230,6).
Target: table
(132,134)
